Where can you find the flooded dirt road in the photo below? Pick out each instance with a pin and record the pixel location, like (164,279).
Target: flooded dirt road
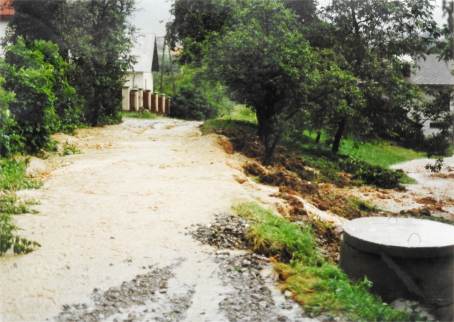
(113,225)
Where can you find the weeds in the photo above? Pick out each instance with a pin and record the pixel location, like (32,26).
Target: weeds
(69,149)
(13,176)
(11,205)
(140,115)
(10,240)
(318,285)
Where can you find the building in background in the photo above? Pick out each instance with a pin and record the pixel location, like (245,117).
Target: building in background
(432,72)
(140,76)
(6,12)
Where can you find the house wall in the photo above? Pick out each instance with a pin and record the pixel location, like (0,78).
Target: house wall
(3,25)
(139,80)
(428,130)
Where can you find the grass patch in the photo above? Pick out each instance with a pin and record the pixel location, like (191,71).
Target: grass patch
(13,176)
(318,285)
(10,204)
(69,149)
(147,115)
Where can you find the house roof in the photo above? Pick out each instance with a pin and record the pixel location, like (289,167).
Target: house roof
(6,9)
(143,51)
(433,71)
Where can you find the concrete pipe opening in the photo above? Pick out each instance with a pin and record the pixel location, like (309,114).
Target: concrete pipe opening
(404,258)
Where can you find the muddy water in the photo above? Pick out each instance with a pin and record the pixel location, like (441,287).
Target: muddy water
(118,212)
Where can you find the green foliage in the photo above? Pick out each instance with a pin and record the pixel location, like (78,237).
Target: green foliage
(30,77)
(371,174)
(13,175)
(140,115)
(321,287)
(99,36)
(95,37)
(370,36)
(10,141)
(10,240)
(10,204)
(437,144)
(267,64)
(194,21)
(197,97)
(69,149)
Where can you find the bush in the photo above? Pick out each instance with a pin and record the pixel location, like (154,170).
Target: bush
(371,174)
(197,97)
(10,142)
(437,144)
(190,103)
(44,101)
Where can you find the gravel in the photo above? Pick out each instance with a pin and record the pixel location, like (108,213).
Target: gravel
(144,298)
(226,232)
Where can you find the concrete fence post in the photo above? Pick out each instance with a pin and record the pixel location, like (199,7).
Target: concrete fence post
(140,98)
(125,106)
(147,99)
(133,100)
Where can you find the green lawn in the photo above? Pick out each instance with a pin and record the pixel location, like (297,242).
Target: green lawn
(140,115)
(320,286)
(381,153)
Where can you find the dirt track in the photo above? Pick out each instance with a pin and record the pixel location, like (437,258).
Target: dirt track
(113,225)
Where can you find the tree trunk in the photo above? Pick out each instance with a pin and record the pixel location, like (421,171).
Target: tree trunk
(319,135)
(338,136)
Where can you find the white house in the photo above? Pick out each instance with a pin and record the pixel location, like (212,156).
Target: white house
(140,76)
(433,72)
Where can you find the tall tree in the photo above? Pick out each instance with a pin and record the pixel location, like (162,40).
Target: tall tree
(448,11)
(94,36)
(37,21)
(267,64)
(371,35)
(193,21)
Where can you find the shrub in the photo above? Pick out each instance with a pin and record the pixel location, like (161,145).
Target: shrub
(197,97)
(437,144)
(190,103)
(10,141)
(371,174)
(31,78)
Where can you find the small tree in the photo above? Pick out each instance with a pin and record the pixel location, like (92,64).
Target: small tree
(31,78)
(267,64)
(337,101)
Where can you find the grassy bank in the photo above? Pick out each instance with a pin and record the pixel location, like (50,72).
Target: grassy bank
(368,162)
(379,153)
(12,178)
(140,115)
(318,285)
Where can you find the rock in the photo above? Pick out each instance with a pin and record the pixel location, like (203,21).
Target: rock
(36,168)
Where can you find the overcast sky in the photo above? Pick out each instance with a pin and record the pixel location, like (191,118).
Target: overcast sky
(152,15)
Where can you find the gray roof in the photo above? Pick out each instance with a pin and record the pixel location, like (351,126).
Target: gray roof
(433,71)
(143,52)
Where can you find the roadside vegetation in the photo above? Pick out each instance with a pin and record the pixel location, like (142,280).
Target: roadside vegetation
(348,93)
(146,115)
(317,284)
(58,73)
(12,178)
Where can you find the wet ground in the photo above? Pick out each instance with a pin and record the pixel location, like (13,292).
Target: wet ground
(113,224)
